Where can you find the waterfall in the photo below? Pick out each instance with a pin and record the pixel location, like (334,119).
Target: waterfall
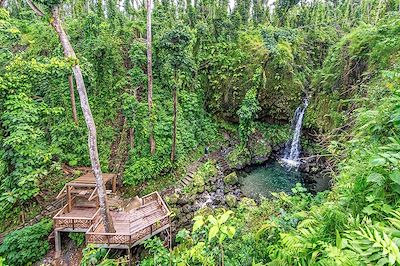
(292,150)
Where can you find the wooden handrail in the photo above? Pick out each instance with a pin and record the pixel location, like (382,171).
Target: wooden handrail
(61,192)
(93,195)
(162,202)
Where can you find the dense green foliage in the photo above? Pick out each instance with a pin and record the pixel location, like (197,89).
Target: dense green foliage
(238,62)
(357,223)
(27,245)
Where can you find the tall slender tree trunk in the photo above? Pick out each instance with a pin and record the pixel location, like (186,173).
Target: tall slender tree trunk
(92,138)
(87,113)
(173,149)
(150,79)
(72,96)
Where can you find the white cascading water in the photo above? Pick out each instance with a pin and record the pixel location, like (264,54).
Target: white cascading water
(292,150)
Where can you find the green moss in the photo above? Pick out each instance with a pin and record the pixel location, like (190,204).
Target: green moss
(231,200)
(238,157)
(260,148)
(231,179)
(198,183)
(202,175)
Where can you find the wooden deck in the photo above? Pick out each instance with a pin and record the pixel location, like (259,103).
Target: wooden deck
(77,218)
(149,215)
(134,226)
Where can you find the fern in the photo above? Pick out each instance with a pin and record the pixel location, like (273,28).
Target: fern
(373,245)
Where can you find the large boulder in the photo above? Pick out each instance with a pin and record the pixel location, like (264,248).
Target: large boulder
(247,203)
(231,179)
(239,157)
(231,200)
(173,199)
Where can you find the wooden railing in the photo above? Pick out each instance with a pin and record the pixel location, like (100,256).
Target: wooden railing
(74,222)
(130,238)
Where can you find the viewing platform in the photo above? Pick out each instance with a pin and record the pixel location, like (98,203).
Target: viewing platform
(138,220)
(134,226)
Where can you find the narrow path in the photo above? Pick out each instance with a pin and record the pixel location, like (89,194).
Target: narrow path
(217,156)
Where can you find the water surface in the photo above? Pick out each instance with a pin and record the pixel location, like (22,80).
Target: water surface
(263,180)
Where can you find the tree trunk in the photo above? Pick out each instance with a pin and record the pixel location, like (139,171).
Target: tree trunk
(92,138)
(150,79)
(173,150)
(72,95)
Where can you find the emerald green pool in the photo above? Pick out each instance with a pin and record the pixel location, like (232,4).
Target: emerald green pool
(262,180)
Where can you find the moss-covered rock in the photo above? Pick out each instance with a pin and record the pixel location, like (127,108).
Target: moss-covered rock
(239,157)
(207,170)
(205,211)
(260,150)
(173,199)
(231,200)
(198,183)
(175,212)
(231,179)
(247,203)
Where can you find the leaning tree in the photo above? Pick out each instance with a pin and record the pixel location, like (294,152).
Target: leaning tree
(52,6)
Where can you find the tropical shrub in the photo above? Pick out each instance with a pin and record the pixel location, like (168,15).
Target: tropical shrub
(28,245)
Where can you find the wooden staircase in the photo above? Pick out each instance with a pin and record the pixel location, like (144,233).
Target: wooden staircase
(184,182)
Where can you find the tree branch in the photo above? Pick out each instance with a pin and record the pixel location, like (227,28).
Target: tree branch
(35,8)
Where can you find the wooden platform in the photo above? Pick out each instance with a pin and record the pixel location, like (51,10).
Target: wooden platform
(134,226)
(88,180)
(77,218)
(85,187)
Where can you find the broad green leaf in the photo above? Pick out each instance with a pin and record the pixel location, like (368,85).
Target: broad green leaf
(221,238)
(212,220)
(368,210)
(197,225)
(224,217)
(370,198)
(376,178)
(378,161)
(231,231)
(395,177)
(213,232)
(198,217)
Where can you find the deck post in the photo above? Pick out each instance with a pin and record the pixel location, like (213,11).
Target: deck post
(57,242)
(170,234)
(69,198)
(114,184)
